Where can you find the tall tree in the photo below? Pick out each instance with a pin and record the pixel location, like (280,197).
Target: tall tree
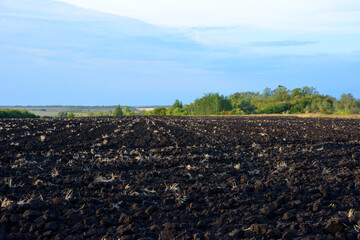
(118,111)
(177,104)
(211,104)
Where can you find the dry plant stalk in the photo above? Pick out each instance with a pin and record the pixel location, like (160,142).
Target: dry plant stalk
(5,202)
(54,173)
(68,194)
(174,187)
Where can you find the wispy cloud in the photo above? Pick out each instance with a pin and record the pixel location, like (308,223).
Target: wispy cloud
(34,51)
(221,28)
(17,15)
(305,15)
(287,43)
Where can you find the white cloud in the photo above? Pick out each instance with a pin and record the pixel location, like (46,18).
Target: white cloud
(274,14)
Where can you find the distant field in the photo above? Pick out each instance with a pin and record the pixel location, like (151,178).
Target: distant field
(145,108)
(82,111)
(52,111)
(49,111)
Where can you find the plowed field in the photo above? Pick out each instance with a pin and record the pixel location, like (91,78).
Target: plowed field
(180,178)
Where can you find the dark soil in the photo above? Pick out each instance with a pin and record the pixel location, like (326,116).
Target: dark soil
(180,178)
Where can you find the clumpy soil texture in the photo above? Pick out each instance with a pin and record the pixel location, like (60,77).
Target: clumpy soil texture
(180,178)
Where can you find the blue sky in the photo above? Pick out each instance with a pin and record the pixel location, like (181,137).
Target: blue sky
(139,52)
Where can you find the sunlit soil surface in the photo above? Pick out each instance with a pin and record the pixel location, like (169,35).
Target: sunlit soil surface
(180,177)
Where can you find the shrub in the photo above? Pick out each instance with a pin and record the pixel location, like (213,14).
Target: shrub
(13,113)
(278,108)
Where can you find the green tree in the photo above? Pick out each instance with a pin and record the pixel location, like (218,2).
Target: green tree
(267,92)
(327,105)
(211,104)
(62,114)
(281,94)
(160,111)
(278,108)
(177,109)
(246,107)
(118,111)
(65,114)
(14,113)
(296,93)
(309,91)
(348,104)
(127,111)
(177,104)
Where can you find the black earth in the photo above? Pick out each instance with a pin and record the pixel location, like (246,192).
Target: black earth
(180,178)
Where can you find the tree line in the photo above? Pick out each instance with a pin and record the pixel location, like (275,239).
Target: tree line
(277,101)
(270,101)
